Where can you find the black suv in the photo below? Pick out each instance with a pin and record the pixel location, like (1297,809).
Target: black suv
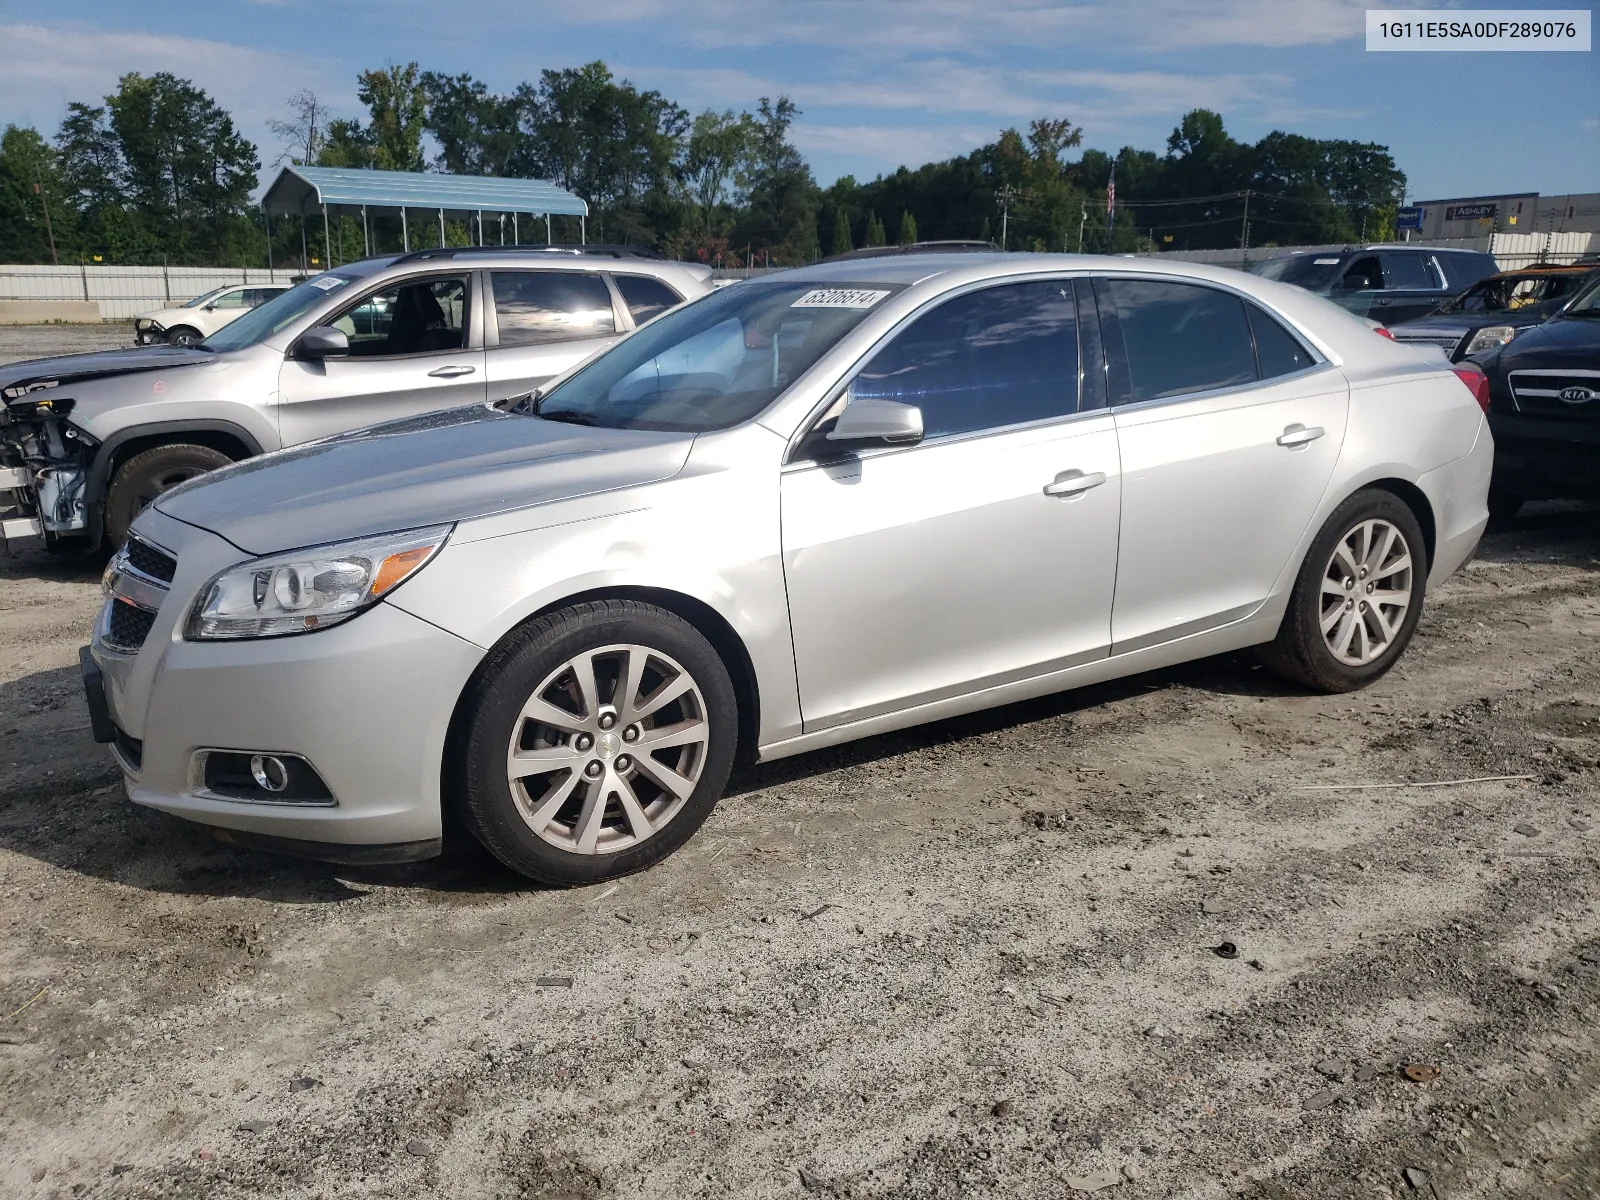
(1496,309)
(1544,408)
(1389,284)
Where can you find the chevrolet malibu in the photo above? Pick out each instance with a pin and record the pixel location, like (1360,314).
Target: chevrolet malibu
(798,511)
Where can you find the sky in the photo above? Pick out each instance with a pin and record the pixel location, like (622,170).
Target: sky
(880,83)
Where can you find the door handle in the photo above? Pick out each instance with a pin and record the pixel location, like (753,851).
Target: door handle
(1299,435)
(1073,483)
(450,372)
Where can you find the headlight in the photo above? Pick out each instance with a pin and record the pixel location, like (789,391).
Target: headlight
(1488,339)
(309,589)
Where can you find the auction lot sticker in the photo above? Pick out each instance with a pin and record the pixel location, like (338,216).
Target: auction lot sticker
(1483,29)
(839,298)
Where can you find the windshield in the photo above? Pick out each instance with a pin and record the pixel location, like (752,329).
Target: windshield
(263,321)
(713,363)
(1586,305)
(1310,271)
(204,296)
(1511,293)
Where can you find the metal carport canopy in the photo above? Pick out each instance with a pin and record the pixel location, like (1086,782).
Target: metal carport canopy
(299,190)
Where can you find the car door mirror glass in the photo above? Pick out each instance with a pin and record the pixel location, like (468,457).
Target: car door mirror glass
(324,341)
(885,422)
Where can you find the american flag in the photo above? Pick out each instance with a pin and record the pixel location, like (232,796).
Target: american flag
(1111,192)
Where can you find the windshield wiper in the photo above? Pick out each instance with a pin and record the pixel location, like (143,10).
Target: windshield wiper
(567,417)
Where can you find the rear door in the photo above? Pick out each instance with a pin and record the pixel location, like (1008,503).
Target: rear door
(1228,427)
(412,350)
(1412,287)
(543,322)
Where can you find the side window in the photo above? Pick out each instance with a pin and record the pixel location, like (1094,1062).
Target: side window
(1403,269)
(1362,275)
(408,318)
(645,297)
(1178,338)
(537,307)
(1278,352)
(985,360)
(233,299)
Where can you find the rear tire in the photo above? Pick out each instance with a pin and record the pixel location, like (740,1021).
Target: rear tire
(1358,597)
(1504,505)
(569,765)
(147,474)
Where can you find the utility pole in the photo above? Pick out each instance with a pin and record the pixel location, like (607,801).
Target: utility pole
(1006,196)
(1083,219)
(1244,228)
(44,199)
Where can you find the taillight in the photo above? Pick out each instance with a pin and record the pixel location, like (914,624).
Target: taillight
(1477,382)
(1382,332)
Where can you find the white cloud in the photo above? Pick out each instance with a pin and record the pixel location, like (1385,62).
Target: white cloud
(48,66)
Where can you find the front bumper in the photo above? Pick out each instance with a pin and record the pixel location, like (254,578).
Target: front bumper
(367,703)
(148,333)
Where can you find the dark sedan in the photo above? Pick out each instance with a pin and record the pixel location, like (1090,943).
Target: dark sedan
(1495,310)
(1544,408)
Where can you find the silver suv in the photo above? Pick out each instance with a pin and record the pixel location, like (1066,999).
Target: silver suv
(804,509)
(88,441)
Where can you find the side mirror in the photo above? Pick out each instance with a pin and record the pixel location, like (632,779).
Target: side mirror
(323,341)
(211,307)
(885,421)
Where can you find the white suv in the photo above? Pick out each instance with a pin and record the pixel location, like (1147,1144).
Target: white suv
(196,320)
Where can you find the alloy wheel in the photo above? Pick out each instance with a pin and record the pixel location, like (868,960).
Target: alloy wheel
(1366,590)
(607,749)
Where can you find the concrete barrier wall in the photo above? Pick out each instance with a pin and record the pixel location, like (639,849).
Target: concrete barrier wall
(42,312)
(122,293)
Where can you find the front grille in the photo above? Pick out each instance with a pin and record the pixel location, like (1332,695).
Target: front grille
(1574,391)
(146,559)
(129,625)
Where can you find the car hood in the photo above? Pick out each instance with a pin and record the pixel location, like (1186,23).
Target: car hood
(71,368)
(428,470)
(1441,324)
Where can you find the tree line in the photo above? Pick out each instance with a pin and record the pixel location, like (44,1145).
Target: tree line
(157,172)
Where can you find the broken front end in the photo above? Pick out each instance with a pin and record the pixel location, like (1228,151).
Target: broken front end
(44,466)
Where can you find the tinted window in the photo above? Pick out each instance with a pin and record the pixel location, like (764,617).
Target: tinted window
(1463,268)
(1404,269)
(408,318)
(997,357)
(1278,352)
(645,297)
(1180,338)
(1363,275)
(1312,272)
(534,307)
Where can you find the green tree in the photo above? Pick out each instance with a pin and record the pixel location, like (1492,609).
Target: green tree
(841,231)
(29,228)
(781,197)
(478,132)
(398,105)
(874,235)
(717,146)
(347,144)
(908,229)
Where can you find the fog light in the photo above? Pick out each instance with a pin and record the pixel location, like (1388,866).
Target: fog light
(269,772)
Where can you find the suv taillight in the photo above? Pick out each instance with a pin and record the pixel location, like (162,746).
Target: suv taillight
(1477,382)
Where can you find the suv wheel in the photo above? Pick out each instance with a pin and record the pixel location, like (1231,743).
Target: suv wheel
(184,336)
(149,473)
(594,742)
(1358,598)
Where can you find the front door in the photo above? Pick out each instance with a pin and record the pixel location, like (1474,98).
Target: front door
(983,555)
(1229,429)
(546,322)
(410,352)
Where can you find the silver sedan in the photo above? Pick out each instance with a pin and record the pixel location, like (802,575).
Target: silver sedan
(801,510)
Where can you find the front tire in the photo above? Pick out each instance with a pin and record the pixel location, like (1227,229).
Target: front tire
(594,742)
(147,474)
(1358,597)
(184,336)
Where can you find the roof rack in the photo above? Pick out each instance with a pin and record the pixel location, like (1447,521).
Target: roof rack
(946,247)
(592,250)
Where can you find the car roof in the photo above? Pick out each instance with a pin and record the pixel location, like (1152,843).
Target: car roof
(914,268)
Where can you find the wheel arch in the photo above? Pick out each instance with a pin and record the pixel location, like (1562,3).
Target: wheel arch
(705,619)
(1417,501)
(225,437)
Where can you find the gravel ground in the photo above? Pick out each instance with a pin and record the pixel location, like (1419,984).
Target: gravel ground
(39,341)
(970,959)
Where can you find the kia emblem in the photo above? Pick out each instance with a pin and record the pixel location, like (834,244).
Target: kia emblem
(1576,395)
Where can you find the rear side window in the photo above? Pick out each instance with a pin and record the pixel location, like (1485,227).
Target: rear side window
(1278,352)
(644,296)
(1464,268)
(1178,338)
(537,307)
(1003,356)
(1404,269)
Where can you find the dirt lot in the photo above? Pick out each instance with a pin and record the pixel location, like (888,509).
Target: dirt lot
(971,959)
